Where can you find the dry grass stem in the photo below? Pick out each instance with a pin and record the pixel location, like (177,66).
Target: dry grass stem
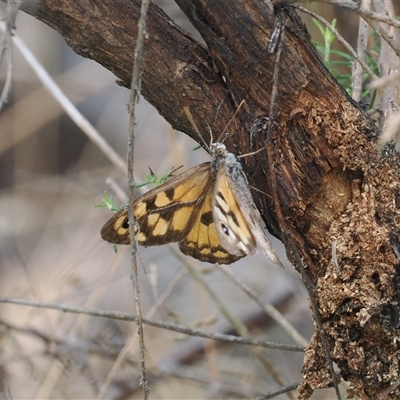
(340,39)
(134,99)
(69,108)
(158,324)
(362,45)
(268,308)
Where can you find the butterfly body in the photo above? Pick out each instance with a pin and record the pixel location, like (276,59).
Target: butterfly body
(208,210)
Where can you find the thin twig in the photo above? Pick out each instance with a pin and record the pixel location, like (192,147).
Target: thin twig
(340,39)
(122,355)
(116,188)
(157,324)
(6,50)
(388,62)
(69,108)
(384,81)
(274,393)
(238,325)
(30,331)
(387,37)
(224,388)
(235,322)
(390,131)
(374,25)
(268,308)
(133,100)
(355,6)
(362,42)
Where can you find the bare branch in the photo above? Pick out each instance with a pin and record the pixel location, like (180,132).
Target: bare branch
(158,324)
(364,12)
(6,50)
(362,44)
(134,99)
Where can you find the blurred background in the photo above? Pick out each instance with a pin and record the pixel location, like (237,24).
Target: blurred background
(51,177)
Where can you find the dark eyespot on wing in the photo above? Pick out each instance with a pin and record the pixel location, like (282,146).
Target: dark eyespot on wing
(207,218)
(125,223)
(225,229)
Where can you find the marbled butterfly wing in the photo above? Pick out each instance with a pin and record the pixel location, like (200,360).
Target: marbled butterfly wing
(203,240)
(177,211)
(234,232)
(163,213)
(236,216)
(208,210)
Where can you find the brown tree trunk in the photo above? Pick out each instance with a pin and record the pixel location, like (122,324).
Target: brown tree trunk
(329,193)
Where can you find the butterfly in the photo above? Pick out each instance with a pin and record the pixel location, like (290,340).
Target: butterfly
(208,210)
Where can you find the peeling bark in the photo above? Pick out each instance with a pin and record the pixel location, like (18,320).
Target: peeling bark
(327,184)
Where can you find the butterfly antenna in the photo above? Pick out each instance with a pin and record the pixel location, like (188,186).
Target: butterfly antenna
(211,136)
(189,116)
(220,140)
(219,109)
(253,152)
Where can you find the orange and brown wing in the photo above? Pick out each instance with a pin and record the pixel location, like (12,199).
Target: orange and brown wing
(202,241)
(232,225)
(164,214)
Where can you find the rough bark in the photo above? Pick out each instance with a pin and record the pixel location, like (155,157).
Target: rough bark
(327,185)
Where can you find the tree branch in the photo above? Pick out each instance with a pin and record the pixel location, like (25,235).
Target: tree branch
(331,183)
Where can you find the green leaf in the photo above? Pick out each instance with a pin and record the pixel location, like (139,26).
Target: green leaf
(154,179)
(108,202)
